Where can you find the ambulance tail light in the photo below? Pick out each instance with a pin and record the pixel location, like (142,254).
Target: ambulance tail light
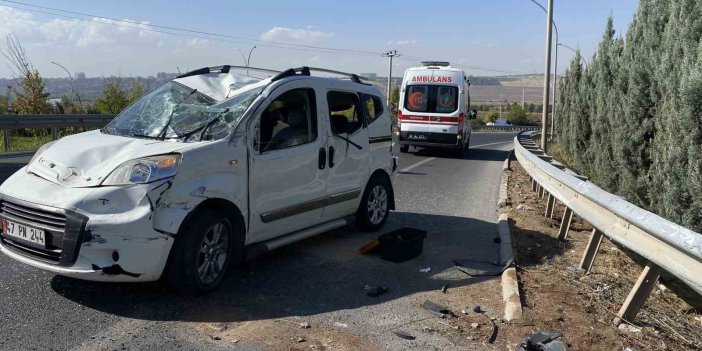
(399,122)
(461,118)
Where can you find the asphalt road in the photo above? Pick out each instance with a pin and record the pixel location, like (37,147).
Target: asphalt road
(319,280)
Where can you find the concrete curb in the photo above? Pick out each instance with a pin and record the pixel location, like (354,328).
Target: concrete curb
(510,282)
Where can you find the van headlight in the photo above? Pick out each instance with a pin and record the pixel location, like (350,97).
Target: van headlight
(144,170)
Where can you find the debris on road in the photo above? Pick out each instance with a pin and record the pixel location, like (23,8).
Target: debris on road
(341,325)
(477,309)
(403,335)
(425,270)
(304,325)
(444,289)
(370,247)
(437,309)
(300,339)
(481,268)
(402,245)
(475,325)
(374,291)
(628,328)
(523,207)
(542,341)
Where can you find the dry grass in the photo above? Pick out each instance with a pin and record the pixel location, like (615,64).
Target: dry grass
(559,297)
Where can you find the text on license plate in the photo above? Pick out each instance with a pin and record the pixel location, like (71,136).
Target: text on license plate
(23,232)
(417,137)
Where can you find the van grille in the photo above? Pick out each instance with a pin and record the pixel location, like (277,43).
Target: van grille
(62,231)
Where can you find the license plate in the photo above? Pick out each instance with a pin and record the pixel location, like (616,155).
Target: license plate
(417,137)
(23,232)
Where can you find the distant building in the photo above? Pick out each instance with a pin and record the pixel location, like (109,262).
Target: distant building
(371,76)
(80,75)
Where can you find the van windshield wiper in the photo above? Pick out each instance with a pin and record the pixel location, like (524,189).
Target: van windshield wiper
(205,126)
(162,134)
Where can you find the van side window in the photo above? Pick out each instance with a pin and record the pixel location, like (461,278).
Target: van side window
(374,107)
(290,120)
(346,105)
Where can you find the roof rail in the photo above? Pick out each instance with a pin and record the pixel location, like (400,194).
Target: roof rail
(223,69)
(305,71)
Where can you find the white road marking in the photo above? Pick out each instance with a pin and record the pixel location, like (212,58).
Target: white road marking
(411,167)
(418,164)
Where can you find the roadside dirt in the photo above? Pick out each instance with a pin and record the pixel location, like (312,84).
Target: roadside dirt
(463,328)
(558,297)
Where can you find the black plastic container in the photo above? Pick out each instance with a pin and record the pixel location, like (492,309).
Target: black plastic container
(402,244)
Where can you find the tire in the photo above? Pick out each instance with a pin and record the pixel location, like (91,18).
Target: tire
(202,253)
(404,148)
(374,208)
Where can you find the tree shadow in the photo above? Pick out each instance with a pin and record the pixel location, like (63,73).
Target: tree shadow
(317,275)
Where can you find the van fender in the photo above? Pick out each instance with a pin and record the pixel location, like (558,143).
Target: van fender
(173,201)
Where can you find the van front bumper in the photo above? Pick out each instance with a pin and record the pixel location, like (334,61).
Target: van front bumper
(101,234)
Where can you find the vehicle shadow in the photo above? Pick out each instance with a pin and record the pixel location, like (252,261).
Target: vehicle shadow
(321,274)
(471,154)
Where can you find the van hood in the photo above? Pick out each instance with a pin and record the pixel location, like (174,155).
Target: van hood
(86,159)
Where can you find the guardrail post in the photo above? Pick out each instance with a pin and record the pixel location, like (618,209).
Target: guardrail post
(533,184)
(591,251)
(7,144)
(638,295)
(549,206)
(565,223)
(541,192)
(54,133)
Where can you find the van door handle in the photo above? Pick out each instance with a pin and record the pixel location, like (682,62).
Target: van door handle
(331,156)
(322,158)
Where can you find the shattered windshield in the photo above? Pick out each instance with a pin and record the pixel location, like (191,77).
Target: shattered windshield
(175,111)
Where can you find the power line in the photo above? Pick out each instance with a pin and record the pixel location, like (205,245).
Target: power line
(139,26)
(217,36)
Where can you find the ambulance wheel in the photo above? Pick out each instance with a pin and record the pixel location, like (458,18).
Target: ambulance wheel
(404,148)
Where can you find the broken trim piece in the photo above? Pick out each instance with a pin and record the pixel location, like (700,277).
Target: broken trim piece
(115,269)
(309,206)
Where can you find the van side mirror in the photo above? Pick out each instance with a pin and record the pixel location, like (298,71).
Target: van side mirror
(473,114)
(339,124)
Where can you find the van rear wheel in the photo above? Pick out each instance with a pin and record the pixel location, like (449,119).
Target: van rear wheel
(375,205)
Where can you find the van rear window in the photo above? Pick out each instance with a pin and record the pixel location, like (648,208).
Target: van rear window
(431,98)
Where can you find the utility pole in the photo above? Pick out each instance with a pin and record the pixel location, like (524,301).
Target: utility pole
(390,54)
(547,75)
(502,87)
(524,92)
(555,82)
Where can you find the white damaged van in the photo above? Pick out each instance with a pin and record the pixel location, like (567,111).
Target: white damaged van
(201,172)
(434,108)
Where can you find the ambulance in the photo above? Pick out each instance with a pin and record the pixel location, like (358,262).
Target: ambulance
(434,108)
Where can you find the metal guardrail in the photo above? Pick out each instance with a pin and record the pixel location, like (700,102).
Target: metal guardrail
(667,246)
(9,122)
(504,128)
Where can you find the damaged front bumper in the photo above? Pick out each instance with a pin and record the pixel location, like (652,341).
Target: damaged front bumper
(99,233)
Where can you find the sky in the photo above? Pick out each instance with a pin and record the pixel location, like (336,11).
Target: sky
(485,37)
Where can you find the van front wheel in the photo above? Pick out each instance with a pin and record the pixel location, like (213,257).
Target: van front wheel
(375,205)
(202,253)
